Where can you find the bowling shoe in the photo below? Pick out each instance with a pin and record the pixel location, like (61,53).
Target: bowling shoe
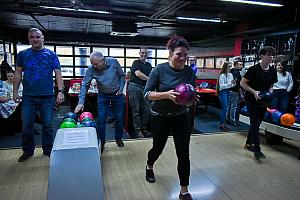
(102,148)
(150,175)
(186,196)
(24,156)
(248,147)
(120,143)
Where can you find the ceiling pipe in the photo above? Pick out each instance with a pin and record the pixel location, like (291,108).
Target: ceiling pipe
(39,23)
(174,9)
(156,15)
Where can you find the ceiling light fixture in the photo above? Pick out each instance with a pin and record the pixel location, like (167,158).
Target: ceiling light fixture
(216,20)
(123,34)
(76,10)
(255,3)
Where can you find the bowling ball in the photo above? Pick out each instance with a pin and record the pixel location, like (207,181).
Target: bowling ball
(85,115)
(79,125)
(287,119)
(272,110)
(187,94)
(86,119)
(71,115)
(266,97)
(69,120)
(68,125)
(275,116)
(89,124)
(244,110)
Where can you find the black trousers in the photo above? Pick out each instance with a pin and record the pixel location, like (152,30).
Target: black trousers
(180,126)
(256,113)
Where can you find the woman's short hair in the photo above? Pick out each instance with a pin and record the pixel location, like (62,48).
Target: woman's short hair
(177,41)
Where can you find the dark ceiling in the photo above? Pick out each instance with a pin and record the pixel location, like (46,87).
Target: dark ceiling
(155,19)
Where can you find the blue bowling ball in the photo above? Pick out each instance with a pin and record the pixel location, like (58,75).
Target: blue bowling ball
(266,97)
(71,115)
(275,116)
(244,110)
(89,124)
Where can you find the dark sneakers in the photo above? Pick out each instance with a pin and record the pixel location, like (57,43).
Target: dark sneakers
(146,133)
(248,147)
(102,148)
(258,156)
(120,143)
(186,196)
(24,157)
(261,155)
(224,128)
(150,175)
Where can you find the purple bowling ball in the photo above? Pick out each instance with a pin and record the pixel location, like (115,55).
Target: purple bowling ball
(187,94)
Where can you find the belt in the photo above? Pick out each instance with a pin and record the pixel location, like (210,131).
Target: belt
(185,111)
(113,93)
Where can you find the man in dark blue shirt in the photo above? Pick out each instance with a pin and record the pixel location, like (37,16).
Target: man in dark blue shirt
(37,65)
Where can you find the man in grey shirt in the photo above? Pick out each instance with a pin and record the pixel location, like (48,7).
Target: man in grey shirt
(110,80)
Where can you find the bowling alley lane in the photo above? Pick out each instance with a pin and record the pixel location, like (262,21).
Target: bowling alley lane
(220,169)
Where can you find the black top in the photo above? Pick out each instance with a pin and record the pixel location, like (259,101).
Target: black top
(259,79)
(164,78)
(145,68)
(236,74)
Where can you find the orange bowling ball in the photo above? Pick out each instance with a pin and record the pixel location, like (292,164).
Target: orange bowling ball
(287,119)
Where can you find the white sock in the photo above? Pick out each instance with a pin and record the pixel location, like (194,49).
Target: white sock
(183,193)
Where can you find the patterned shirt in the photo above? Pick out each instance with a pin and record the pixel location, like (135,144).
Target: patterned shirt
(38,67)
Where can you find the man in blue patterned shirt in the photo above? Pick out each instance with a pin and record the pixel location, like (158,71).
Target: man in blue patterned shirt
(110,81)
(37,65)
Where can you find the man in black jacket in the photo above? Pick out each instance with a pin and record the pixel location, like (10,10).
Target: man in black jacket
(235,93)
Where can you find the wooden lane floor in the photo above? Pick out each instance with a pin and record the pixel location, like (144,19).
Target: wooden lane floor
(220,169)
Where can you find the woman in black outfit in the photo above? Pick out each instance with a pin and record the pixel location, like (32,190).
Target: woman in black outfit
(167,114)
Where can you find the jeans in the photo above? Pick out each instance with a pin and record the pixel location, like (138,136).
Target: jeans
(117,105)
(180,126)
(140,107)
(232,110)
(256,113)
(280,100)
(30,106)
(224,99)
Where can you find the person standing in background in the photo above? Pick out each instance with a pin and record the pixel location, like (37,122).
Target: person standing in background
(282,88)
(37,65)
(236,93)
(226,81)
(140,106)
(258,78)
